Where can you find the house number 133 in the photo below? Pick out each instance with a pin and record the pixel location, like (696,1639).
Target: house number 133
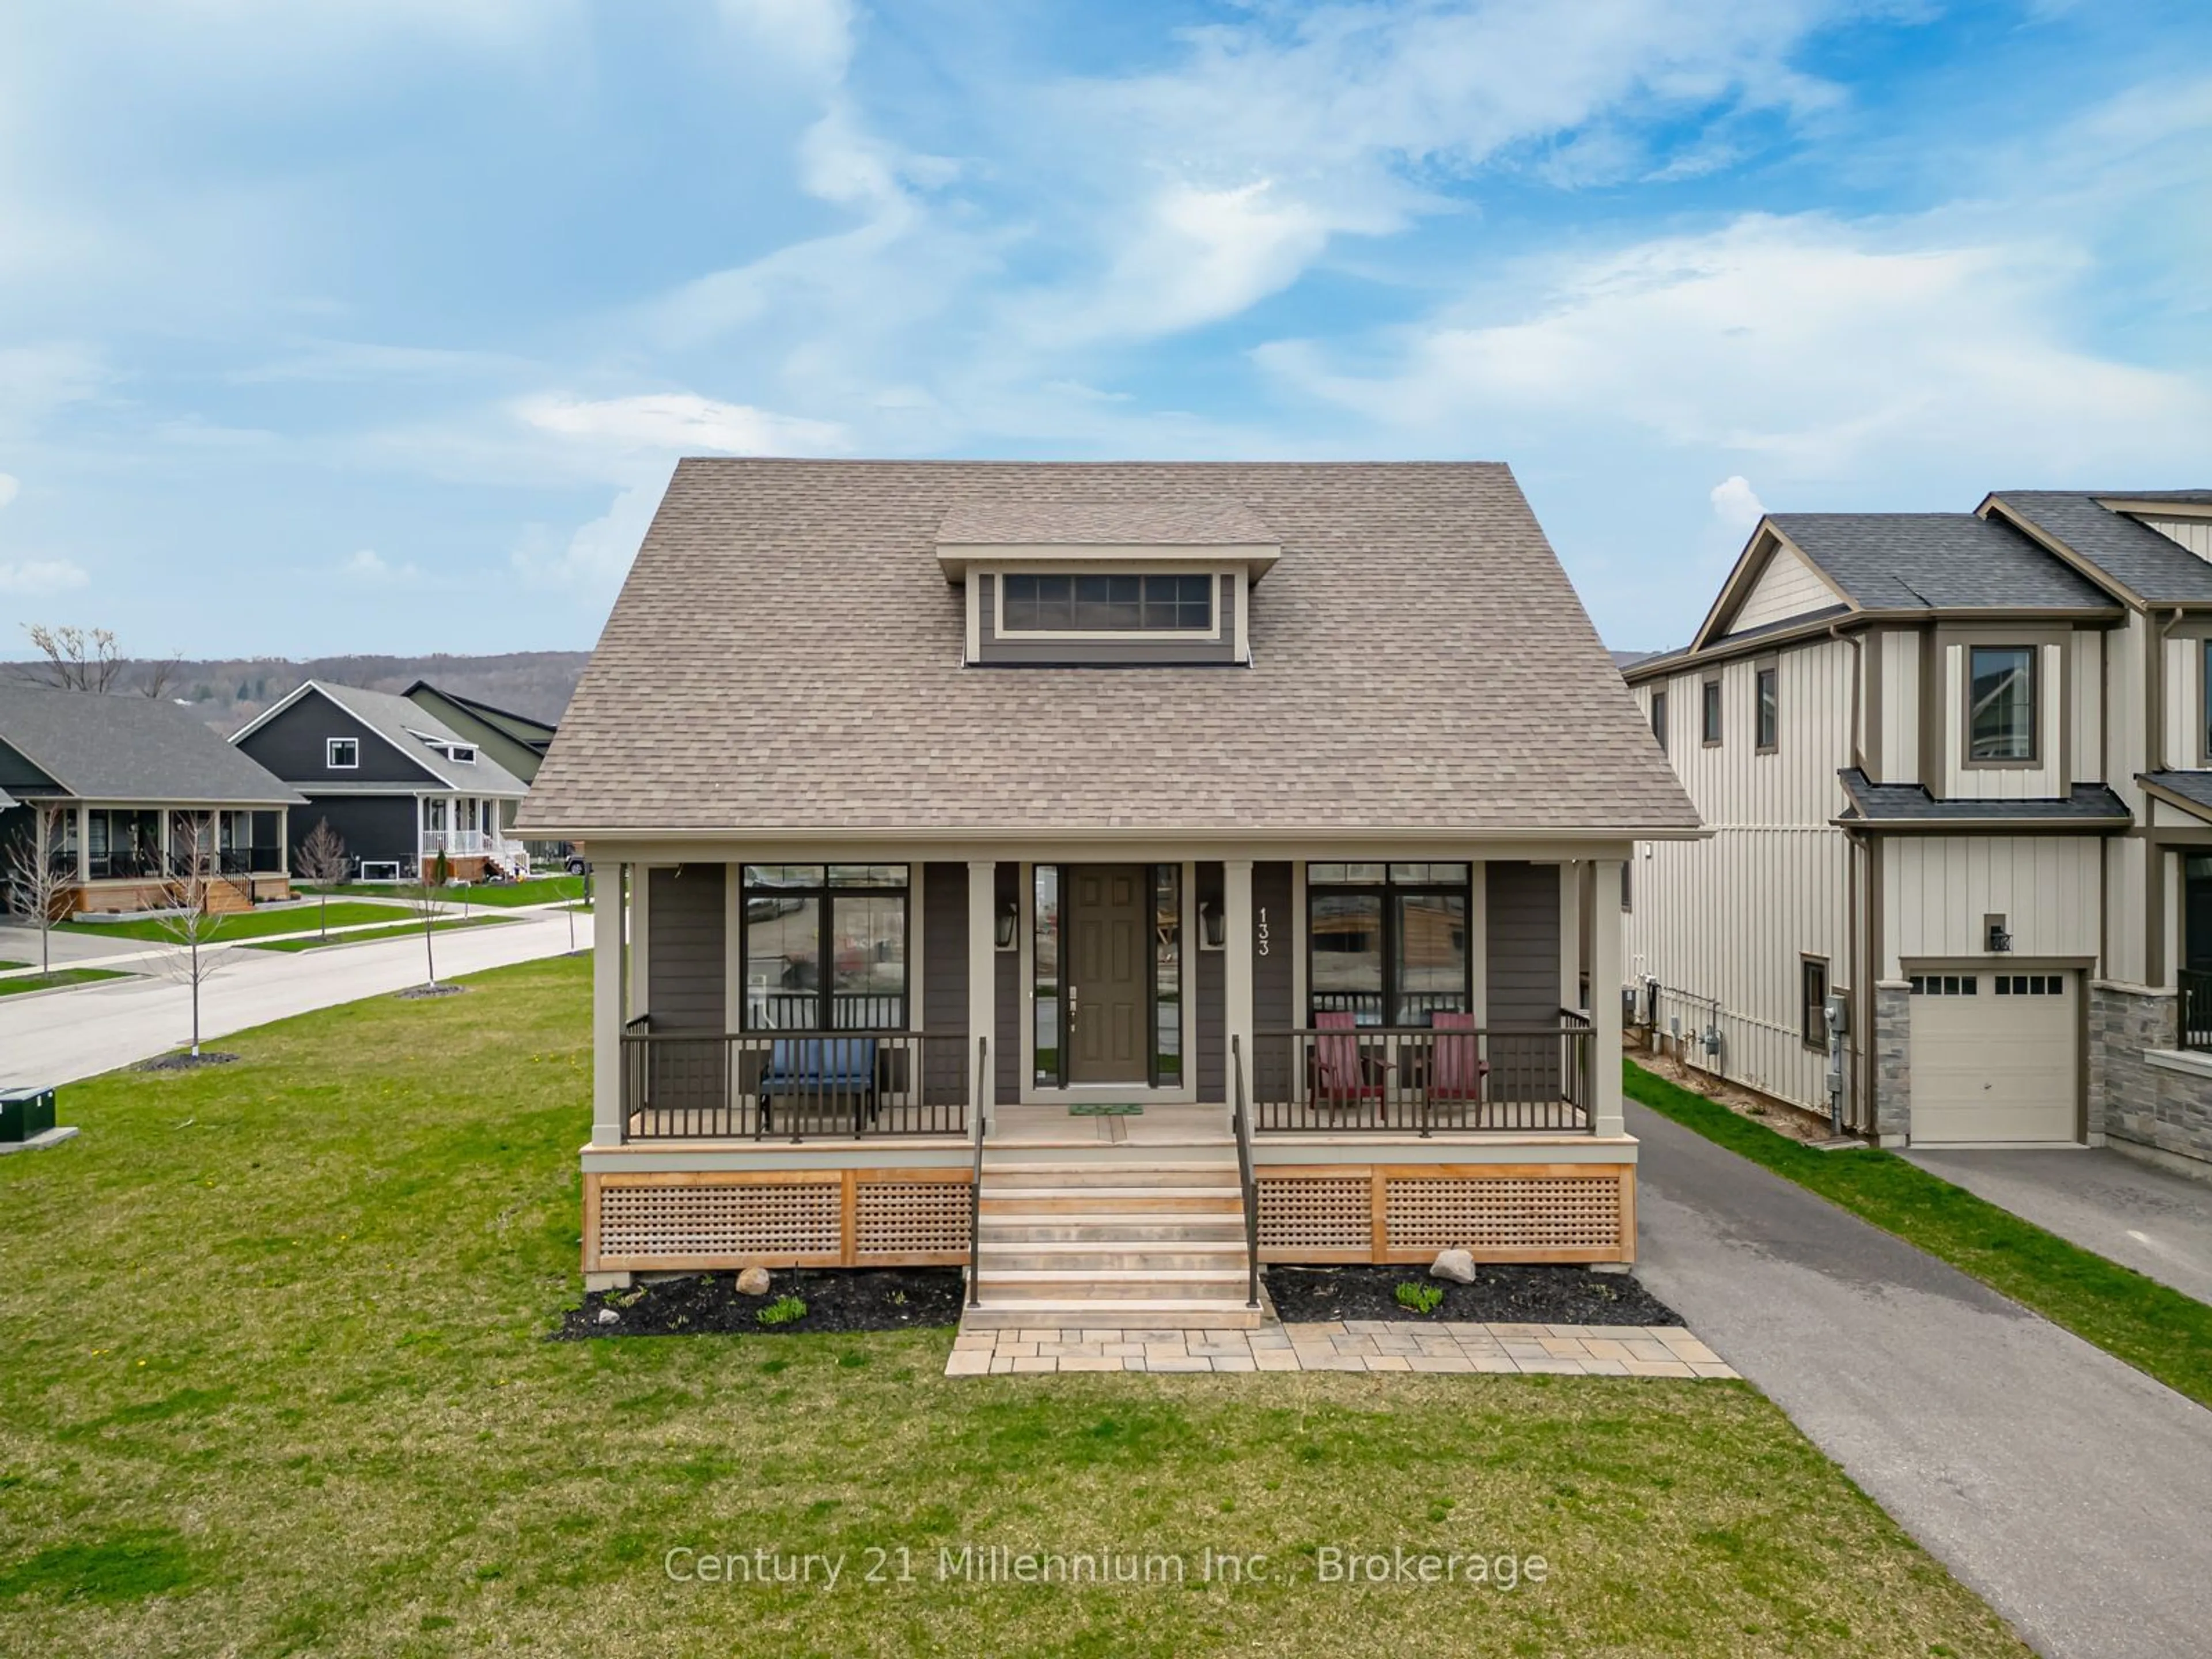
(1260,934)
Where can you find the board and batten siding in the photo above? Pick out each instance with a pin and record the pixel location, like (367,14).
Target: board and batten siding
(1724,924)
(1787,587)
(1935,890)
(2182,734)
(2045,781)
(2088,649)
(1900,744)
(684,955)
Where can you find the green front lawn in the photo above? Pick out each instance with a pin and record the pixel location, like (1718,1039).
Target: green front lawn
(412,929)
(505,896)
(55,981)
(277,1381)
(5,966)
(258,923)
(2154,1328)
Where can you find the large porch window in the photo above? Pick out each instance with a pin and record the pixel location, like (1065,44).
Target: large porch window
(824,947)
(1388,943)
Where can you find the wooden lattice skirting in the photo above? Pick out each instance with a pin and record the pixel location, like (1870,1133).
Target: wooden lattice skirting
(774,1218)
(1408,1212)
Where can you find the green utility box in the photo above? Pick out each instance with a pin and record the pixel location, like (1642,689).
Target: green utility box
(26,1113)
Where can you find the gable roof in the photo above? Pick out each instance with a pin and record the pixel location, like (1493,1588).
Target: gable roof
(397,721)
(522,728)
(132,748)
(2154,568)
(1936,562)
(786,655)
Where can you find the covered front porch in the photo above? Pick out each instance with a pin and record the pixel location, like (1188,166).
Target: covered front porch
(812,1059)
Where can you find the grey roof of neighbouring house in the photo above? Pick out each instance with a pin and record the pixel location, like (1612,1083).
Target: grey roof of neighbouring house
(398,720)
(2155,567)
(786,654)
(2196,787)
(1909,803)
(129,750)
(1937,562)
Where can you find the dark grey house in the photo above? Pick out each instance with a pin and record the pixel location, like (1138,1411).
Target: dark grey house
(395,782)
(145,795)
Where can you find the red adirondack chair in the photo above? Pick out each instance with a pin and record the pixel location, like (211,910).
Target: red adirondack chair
(1341,1073)
(1456,1068)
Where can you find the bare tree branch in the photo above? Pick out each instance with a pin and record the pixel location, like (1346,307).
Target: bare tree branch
(323,859)
(76,659)
(191,927)
(155,677)
(37,882)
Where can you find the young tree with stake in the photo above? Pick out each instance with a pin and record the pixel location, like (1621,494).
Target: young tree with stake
(36,883)
(191,927)
(323,859)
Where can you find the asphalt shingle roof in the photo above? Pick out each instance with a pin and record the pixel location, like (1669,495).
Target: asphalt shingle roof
(399,720)
(2194,786)
(786,654)
(2155,567)
(1894,803)
(132,748)
(1936,562)
(1110,524)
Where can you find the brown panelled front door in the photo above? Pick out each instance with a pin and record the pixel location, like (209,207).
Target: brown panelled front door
(1109,974)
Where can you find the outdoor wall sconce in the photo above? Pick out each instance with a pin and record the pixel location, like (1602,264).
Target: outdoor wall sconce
(2000,940)
(1009,918)
(1212,926)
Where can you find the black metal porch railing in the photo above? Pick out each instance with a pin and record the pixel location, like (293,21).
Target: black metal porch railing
(1410,1079)
(791,1085)
(849,1011)
(2195,1013)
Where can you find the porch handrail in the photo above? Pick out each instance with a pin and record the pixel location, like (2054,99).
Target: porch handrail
(706,1084)
(976,1179)
(1512,1077)
(2193,1011)
(1247,1178)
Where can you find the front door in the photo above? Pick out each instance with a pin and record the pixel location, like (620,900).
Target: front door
(1109,980)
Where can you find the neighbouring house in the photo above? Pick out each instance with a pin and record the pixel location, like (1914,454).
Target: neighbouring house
(517,741)
(1045,843)
(393,779)
(148,798)
(1959,771)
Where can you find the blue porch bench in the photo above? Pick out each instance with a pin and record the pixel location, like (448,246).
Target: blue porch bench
(818,1074)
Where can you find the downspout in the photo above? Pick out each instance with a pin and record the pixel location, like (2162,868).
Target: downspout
(2155,966)
(1854,1085)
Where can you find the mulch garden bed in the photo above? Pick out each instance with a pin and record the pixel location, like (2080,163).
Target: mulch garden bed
(1500,1295)
(837,1299)
(185,1062)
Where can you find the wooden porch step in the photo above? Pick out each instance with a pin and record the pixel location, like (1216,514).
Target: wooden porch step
(1094,1262)
(1082,1283)
(1113,1197)
(1000,1227)
(1165,1314)
(1120,1172)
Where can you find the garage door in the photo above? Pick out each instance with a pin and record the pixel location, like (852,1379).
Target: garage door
(1994,1057)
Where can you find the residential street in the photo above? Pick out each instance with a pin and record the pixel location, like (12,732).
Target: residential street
(2064,1487)
(57,1036)
(2157,1222)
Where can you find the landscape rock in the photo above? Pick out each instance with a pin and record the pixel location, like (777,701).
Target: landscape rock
(753,1281)
(1458,1266)
(608,1316)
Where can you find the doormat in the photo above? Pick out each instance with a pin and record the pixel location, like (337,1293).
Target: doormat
(1105,1108)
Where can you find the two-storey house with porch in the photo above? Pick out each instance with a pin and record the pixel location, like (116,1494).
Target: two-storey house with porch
(1958,770)
(1103,876)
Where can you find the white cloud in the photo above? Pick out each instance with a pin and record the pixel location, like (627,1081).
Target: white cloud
(11,486)
(680,422)
(31,577)
(1736,506)
(1824,349)
(368,566)
(593,560)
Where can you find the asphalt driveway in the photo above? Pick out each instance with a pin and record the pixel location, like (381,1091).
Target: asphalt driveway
(2066,1488)
(2159,1223)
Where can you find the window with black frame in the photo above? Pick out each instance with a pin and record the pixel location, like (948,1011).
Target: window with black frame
(1388,943)
(825,947)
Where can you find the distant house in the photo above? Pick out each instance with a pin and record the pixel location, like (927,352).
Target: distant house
(516,741)
(397,783)
(146,792)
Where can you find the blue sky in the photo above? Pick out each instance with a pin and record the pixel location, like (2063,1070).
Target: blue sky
(376,324)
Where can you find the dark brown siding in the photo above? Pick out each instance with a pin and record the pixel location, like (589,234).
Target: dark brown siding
(1211,985)
(684,958)
(1275,954)
(1006,995)
(944,947)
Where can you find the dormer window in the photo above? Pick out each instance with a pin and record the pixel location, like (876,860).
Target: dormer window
(464,752)
(1040,603)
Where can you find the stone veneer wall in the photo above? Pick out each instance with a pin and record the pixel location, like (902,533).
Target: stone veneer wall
(2132,1100)
(1892,1063)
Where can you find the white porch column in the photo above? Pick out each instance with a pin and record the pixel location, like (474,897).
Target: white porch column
(607,968)
(1236,979)
(83,843)
(983,971)
(1606,972)
(1571,936)
(284,841)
